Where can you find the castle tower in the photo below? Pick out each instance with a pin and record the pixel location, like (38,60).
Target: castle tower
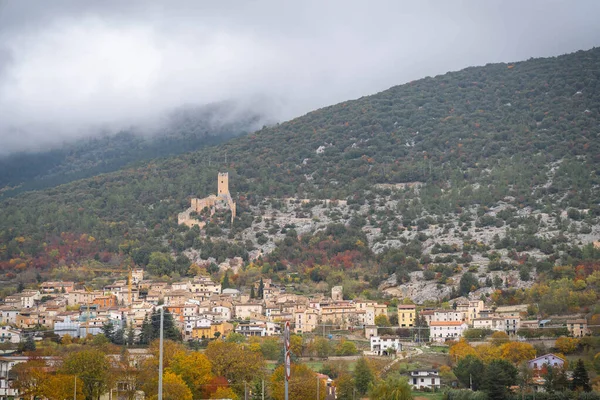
(223,184)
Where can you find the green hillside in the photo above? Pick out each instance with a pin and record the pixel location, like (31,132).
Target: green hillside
(523,133)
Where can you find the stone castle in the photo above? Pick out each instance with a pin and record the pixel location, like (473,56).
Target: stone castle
(221,200)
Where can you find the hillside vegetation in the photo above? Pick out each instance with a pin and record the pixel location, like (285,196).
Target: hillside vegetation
(489,175)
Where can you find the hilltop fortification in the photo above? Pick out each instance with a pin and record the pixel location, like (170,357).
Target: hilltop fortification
(213,202)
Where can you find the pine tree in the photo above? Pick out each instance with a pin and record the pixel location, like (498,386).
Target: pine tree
(252,295)
(28,344)
(146,333)
(130,335)
(119,335)
(261,289)
(108,330)
(581,379)
(225,283)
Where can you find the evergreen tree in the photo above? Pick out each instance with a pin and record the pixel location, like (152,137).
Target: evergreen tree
(261,289)
(119,335)
(146,332)
(28,344)
(170,331)
(130,335)
(470,372)
(108,330)
(225,283)
(581,379)
(498,377)
(252,295)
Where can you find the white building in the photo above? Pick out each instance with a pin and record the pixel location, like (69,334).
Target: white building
(547,359)
(9,335)
(440,331)
(385,345)
(425,379)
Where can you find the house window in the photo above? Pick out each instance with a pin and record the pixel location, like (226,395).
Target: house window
(422,379)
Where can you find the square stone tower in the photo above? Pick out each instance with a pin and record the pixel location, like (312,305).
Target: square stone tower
(223,184)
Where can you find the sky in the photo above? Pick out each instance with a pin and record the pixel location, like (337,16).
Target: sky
(69,69)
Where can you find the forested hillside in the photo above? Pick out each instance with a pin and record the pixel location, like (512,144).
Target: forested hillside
(496,165)
(183,130)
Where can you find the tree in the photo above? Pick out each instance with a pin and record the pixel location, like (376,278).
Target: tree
(233,361)
(28,344)
(252,295)
(580,381)
(363,376)
(194,368)
(345,387)
(174,388)
(224,393)
(470,372)
(346,348)
(92,368)
(566,345)
(468,283)
(322,347)
(498,377)
(61,386)
(382,320)
(108,330)
(30,377)
(516,352)
(461,349)
(555,378)
(261,289)
(499,338)
(145,336)
(225,282)
(393,388)
(160,264)
(296,345)
(302,385)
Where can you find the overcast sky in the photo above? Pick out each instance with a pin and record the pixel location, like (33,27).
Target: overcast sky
(68,68)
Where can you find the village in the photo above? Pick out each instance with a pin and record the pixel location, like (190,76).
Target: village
(203,311)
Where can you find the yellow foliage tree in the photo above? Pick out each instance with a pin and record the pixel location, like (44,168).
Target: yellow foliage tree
(296,345)
(499,338)
(234,361)
(487,352)
(194,368)
(224,393)
(566,344)
(461,349)
(61,386)
(174,388)
(517,352)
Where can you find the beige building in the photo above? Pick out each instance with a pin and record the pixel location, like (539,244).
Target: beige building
(578,327)
(406,315)
(211,202)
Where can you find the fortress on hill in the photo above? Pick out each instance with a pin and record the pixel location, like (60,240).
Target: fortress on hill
(213,202)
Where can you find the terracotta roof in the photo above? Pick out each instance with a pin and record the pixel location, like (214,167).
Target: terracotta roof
(446,323)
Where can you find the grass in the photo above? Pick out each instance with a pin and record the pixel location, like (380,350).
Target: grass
(428,396)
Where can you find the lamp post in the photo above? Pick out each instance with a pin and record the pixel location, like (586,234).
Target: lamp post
(160,353)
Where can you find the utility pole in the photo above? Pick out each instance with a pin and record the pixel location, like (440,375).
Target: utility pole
(263,389)
(318,384)
(75,390)
(160,354)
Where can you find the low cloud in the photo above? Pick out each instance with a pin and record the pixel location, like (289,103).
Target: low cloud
(70,69)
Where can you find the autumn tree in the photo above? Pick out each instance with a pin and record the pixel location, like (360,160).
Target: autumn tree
(61,386)
(566,345)
(194,368)
(30,377)
(174,388)
(517,352)
(224,393)
(393,388)
(461,349)
(234,362)
(302,384)
(499,338)
(92,368)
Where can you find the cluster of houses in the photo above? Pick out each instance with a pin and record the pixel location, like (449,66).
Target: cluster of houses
(203,310)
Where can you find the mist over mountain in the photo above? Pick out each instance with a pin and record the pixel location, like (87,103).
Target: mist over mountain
(186,128)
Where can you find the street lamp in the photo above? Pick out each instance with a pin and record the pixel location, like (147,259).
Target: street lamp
(160,353)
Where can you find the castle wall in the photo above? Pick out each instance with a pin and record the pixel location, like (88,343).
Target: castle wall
(197,205)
